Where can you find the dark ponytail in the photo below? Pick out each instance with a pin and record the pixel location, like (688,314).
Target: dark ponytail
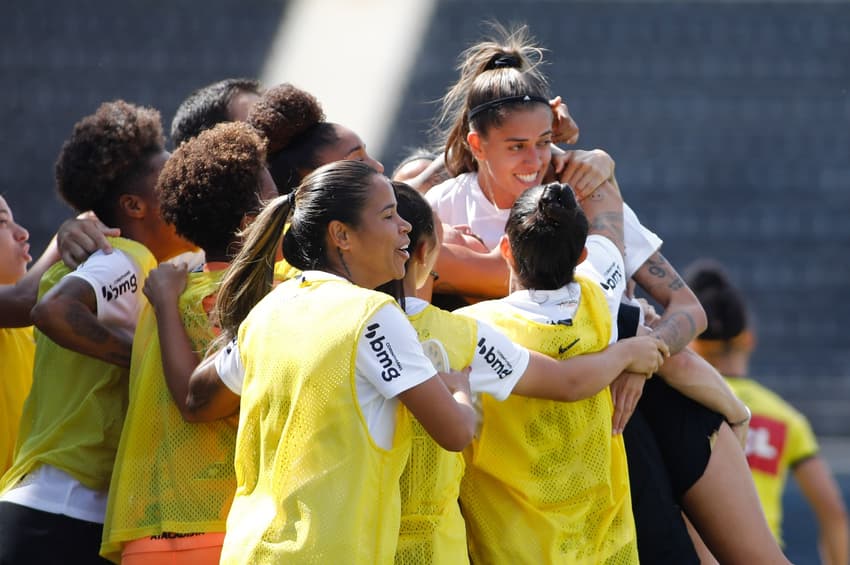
(547,231)
(337,191)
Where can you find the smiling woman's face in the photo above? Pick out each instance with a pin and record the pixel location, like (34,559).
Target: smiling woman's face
(378,245)
(514,156)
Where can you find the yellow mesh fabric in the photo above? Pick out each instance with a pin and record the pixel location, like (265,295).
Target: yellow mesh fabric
(17,348)
(73,416)
(312,486)
(779,437)
(432,528)
(283,271)
(170,475)
(546,482)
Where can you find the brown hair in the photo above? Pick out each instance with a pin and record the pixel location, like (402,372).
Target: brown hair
(502,67)
(106,153)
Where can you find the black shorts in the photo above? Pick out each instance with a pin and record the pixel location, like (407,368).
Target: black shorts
(683,430)
(662,536)
(29,536)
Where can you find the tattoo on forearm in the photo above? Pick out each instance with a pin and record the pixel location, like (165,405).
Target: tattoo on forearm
(609,224)
(85,325)
(658,267)
(676,331)
(117,358)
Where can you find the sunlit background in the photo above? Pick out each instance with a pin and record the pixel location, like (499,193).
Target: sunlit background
(729,122)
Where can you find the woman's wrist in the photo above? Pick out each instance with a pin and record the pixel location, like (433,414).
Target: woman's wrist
(741,421)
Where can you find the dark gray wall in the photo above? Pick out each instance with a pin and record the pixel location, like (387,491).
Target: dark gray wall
(60,60)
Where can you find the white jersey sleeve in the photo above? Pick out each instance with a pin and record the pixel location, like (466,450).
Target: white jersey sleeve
(389,355)
(498,363)
(604,264)
(640,242)
(228,365)
(117,282)
(390,361)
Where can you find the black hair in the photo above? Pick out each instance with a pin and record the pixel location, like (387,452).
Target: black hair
(336,191)
(293,122)
(723,303)
(416,211)
(547,231)
(207,107)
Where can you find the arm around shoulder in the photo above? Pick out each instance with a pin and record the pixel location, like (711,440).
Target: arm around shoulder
(67,314)
(584,376)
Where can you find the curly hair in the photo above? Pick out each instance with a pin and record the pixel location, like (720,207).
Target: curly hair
(293,122)
(207,107)
(211,182)
(106,153)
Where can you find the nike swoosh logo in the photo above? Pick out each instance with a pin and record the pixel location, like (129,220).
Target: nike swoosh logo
(564,349)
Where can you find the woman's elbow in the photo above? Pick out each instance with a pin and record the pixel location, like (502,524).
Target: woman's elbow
(458,436)
(191,415)
(193,410)
(458,440)
(44,313)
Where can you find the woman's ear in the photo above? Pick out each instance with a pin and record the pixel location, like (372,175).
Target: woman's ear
(506,251)
(132,206)
(420,254)
(747,341)
(473,138)
(338,234)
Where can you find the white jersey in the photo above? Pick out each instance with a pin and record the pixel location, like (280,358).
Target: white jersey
(460,201)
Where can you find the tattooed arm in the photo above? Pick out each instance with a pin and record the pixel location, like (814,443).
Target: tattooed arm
(604,211)
(67,314)
(683,318)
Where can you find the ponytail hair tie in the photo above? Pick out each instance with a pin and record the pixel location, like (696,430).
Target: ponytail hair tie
(503,62)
